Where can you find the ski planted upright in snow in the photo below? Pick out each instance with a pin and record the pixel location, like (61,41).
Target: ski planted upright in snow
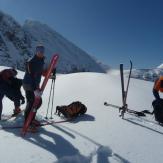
(38,97)
(124,92)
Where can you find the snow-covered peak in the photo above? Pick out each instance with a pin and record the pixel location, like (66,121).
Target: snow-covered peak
(8,20)
(72,58)
(17,43)
(161,66)
(14,42)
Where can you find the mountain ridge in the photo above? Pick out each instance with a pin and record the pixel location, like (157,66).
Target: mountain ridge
(17,44)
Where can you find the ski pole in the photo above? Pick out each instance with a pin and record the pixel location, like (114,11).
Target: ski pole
(49,100)
(52,98)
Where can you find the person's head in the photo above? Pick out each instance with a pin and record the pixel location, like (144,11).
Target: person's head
(40,51)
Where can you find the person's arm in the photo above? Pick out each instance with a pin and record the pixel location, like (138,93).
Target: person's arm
(32,73)
(156,94)
(156,89)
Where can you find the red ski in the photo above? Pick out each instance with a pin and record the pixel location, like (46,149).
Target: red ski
(38,97)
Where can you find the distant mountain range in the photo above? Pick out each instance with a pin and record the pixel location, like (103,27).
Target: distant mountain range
(147,74)
(17,44)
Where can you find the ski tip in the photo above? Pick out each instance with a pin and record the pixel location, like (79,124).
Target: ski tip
(56,56)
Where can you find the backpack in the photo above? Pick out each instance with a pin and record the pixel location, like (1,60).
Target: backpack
(72,110)
(158,110)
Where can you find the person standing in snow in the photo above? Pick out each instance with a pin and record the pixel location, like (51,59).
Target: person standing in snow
(31,82)
(10,87)
(158,86)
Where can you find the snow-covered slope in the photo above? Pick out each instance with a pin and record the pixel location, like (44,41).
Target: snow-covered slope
(14,42)
(72,58)
(100,136)
(18,43)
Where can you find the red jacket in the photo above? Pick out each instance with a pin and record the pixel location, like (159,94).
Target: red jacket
(158,86)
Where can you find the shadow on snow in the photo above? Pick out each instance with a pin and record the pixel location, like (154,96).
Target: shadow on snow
(64,151)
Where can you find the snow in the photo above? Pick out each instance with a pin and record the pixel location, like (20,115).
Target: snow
(100,136)
(17,43)
(161,66)
(71,56)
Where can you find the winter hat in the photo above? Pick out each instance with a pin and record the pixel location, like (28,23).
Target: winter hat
(40,48)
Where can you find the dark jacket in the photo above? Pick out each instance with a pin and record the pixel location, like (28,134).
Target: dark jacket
(34,70)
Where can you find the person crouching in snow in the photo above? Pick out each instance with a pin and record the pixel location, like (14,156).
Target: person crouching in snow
(10,87)
(31,82)
(158,102)
(158,87)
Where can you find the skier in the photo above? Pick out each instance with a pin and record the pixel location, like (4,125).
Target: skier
(10,86)
(31,82)
(158,86)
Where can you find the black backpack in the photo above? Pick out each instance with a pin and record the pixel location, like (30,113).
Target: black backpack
(158,110)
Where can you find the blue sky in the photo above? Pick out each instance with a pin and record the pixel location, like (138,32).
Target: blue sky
(114,31)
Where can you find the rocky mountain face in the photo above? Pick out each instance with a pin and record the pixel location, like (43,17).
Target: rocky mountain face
(17,44)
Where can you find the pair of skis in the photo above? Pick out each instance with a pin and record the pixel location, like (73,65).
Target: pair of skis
(130,111)
(124,107)
(44,123)
(38,97)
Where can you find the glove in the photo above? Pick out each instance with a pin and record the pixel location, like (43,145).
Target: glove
(38,92)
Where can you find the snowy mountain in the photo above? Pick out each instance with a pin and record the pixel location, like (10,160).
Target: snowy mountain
(100,136)
(72,58)
(146,74)
(105,67)
(161,66)
(17,43)
(14,42)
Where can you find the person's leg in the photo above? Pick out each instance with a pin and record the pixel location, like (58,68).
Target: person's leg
(1,106)
(30,100)
(14,96)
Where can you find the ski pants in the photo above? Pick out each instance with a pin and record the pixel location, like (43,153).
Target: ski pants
(30,96)
(8,91)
